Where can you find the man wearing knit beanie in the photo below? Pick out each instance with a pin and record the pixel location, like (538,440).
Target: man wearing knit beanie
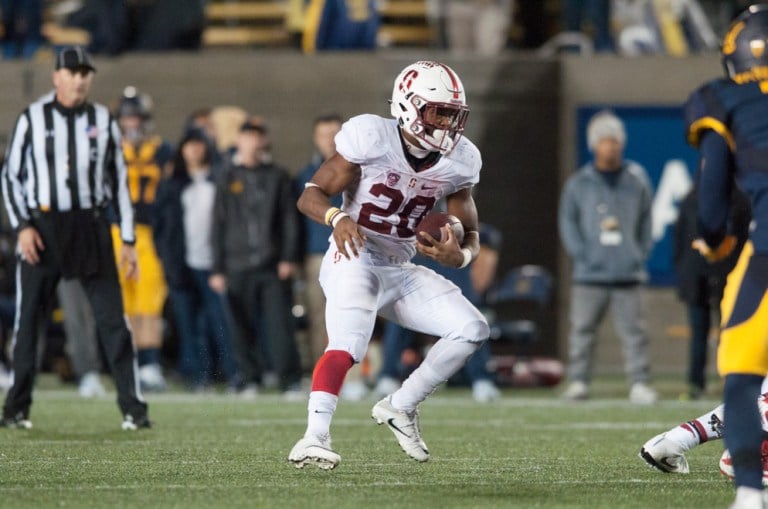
(605,125)
(605,226)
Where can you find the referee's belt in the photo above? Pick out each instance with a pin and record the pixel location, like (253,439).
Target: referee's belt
(42,213)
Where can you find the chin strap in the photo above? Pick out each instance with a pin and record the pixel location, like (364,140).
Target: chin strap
(440,138)
(416,151)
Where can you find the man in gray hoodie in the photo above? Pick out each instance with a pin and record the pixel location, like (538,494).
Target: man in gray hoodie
(605,226)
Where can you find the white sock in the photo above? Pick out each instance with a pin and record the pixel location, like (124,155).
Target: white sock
(748,497)
(422,382)
(320,409)
(444,359)
(762,405)
(702,429)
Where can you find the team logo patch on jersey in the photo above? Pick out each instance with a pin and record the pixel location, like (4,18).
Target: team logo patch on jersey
(757,47)
(236,187)
(92,131)
(412,182)
(392,179)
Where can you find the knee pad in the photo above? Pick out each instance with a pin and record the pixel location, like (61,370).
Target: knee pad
(475,331)
(355,345)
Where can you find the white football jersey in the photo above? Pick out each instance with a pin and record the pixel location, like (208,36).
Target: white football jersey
(391,197)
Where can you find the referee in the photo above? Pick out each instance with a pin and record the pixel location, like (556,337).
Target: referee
(64,165)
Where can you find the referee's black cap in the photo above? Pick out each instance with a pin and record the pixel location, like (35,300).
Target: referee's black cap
(74,57)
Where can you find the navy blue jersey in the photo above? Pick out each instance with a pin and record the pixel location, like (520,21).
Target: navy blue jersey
(738,113)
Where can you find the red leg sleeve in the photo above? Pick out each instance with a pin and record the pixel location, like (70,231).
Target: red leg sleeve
(330,371)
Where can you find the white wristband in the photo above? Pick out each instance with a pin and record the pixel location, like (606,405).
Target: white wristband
(338,217)
(467,257)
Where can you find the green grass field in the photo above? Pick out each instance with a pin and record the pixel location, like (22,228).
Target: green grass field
(529,450)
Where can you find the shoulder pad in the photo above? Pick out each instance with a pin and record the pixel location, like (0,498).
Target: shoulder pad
(705,109)
(363,137)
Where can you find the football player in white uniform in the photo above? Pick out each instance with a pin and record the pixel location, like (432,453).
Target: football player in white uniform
(666,451)
(391,172)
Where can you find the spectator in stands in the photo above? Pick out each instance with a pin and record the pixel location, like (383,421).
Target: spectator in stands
(256,251)
(109,22)
(597,13)
(658,27)
(171,25)
(182,223)
(148,25)
(147,158)
(531,16)
(22,22)
(480,26)
(340,25)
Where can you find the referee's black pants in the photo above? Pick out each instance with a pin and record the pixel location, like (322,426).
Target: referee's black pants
(35,288)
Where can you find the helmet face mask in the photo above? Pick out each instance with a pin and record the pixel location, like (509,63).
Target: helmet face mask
(134,103)
(134,114)
(439,125)
(429,103)
(745,46)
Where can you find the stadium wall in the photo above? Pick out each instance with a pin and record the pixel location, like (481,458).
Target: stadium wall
(523,119)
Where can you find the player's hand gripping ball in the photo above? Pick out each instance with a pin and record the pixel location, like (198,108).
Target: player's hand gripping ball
(432,224)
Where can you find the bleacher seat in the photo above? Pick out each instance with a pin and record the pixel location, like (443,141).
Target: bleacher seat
(232,23)
(246,23)
(404,23)
(262,23)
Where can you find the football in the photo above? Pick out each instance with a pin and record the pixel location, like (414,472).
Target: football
(432,224)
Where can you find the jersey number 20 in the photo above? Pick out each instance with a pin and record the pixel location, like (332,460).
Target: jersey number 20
(369,211)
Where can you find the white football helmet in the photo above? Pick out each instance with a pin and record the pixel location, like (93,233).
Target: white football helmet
(429,103)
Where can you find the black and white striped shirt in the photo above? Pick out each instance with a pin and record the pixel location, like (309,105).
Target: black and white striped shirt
(60,160)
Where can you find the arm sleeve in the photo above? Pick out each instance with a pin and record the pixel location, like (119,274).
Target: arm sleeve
(715,184)
(122,198)
(704,112)
(13,175)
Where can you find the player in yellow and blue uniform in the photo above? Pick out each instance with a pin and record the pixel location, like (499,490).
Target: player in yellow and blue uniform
(146,157)
(728,122)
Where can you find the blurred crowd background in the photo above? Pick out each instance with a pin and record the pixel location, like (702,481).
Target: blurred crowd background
(487,27)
